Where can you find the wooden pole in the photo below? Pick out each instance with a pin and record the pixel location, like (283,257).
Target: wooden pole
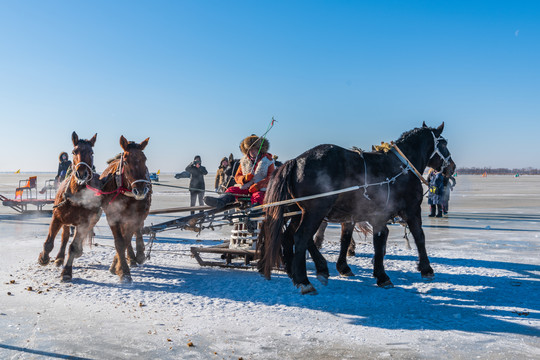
(410,164)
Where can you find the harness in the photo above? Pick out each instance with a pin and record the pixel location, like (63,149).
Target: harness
(119,178)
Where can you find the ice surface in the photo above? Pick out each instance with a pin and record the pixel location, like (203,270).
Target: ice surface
(483,303)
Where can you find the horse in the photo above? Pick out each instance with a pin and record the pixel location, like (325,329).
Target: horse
(74,205)
(127,195)
(386,188)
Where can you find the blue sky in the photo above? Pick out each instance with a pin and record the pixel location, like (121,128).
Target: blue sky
(198,76)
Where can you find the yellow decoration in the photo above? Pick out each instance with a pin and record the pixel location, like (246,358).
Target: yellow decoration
(386,147)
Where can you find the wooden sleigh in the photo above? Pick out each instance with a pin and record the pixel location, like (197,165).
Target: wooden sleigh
(27,194)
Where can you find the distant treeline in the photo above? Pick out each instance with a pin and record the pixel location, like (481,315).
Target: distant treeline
(497,171)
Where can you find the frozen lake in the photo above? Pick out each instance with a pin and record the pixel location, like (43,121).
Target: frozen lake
(483,303)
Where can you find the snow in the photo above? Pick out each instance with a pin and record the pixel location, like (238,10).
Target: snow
(483,302)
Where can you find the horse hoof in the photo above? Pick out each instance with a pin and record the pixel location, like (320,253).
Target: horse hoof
(323,278)
(43,260)
(307,289)
(141,259)
(347,274)
(386,285)
(59,262)
(428,277)
(112,269)
(126,279)
(66,278)
(133,263)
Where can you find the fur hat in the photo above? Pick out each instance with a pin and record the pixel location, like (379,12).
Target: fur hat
(254,141)
(62,154)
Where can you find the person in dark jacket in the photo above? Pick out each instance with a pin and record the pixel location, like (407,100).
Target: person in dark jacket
(435,194)
(448,184)
(196,183)
(63,167)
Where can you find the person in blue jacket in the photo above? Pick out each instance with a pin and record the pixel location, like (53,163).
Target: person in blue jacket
(436,193)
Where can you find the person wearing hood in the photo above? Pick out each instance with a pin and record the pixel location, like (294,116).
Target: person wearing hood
(252,176)
(196,181)
(219,183)
(64,165)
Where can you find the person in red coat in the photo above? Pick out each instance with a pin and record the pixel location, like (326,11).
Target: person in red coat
(252,175)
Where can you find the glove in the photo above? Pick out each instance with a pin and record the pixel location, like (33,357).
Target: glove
(247,178)
(253,188)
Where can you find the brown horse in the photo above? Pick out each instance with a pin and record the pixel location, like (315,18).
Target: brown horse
(74,205)
(127,194)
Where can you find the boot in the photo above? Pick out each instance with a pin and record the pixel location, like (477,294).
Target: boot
(432,208)
(219,202)
(439,211)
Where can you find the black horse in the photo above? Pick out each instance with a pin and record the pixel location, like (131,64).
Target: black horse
(388,189)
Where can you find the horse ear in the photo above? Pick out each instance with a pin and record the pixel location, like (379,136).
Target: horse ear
(123,142)
(93,139)
(144,143)
(75,138)
(424,124)
(231,158)
(441,128)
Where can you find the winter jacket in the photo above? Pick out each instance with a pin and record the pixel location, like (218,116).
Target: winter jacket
(196,177)
(63,168)
(255,180)
(436,188)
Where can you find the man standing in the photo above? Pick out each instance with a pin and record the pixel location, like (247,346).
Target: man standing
(196,183)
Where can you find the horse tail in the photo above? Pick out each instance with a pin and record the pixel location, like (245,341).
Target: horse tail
(269,243)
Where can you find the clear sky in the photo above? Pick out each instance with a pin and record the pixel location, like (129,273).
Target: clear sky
(198,76)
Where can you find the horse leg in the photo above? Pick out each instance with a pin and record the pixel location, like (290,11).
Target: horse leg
(48,245)
(288,244)
(351,251)
(59,261)
(139,245)
(303,236)
(379,244)
(75,251)
(130,253)
(319,235)
(320,263)
(120,266)
(415,226)
(346,237)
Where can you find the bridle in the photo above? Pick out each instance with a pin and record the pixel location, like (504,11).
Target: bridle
(88,177)
(131,191)
(437,151)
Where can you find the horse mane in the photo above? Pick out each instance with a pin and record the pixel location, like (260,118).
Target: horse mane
(412,133)
(132,145)
(84,142)
(117,157)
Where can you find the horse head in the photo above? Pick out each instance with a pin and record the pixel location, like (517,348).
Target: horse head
(440,158)
(83,158)
(132,168)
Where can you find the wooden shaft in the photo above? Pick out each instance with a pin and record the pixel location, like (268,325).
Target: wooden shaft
(410,164)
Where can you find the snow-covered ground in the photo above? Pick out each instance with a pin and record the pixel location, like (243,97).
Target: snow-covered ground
(483,303)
